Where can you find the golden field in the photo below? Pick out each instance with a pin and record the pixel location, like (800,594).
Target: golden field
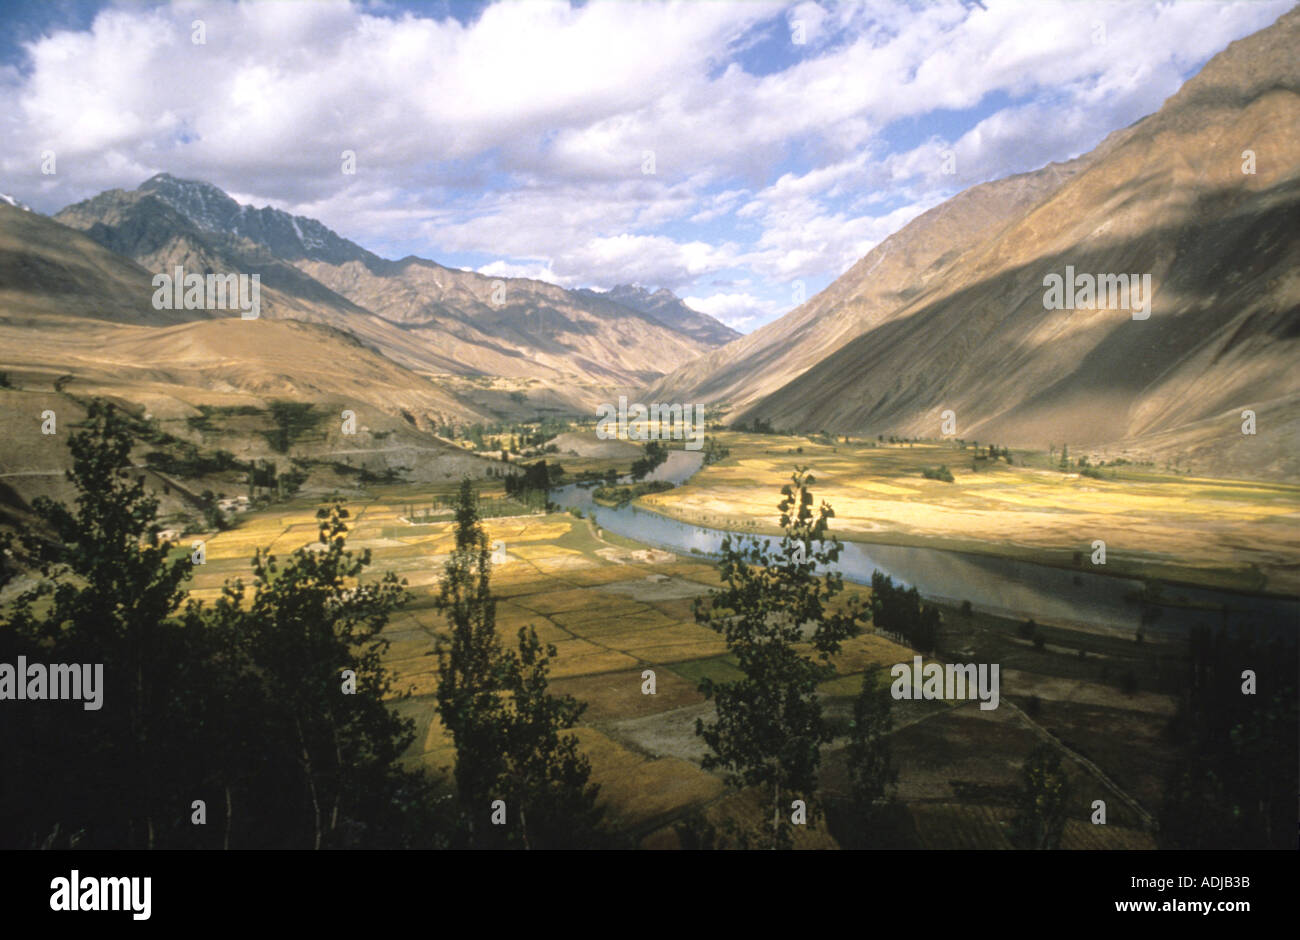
(1235,534)
(609,624)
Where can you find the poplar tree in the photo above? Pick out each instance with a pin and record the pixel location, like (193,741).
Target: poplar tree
(322,769)
(506,726)
(470,664)
(1040,807)
(109,594)
(870,758)
(773,611)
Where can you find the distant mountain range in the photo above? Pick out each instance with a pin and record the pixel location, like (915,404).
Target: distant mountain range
(71,307)
(667,308)
(949,312)
(417,312)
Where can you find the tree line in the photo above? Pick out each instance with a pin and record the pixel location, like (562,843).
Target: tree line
(265,719)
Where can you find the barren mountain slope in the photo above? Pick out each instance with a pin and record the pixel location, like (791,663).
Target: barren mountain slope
(1166,197)
(667,308)
(48,270)
(512,326)
(71,307)
(871,292)
(145,227)
(417,312)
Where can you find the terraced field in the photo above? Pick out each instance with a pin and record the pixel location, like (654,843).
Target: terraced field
(611,617)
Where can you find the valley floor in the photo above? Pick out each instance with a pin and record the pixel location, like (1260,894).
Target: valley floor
(1236,535)
(613,611)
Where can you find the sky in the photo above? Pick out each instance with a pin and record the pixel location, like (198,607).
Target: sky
(741,154)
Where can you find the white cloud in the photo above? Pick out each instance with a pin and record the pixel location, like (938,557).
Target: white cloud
(738,311)
(520,135)
(645,259)
(536,270)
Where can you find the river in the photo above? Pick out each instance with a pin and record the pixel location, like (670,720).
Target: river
(998,585)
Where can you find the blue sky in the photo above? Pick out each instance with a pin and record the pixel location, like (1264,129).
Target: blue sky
(785,140)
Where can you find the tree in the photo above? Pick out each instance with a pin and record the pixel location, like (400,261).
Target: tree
(505,725)
(213,517)
(1234,780)
(532,487)
(655,454)
(769,729)
(109,595)
(544,778)
(714,451)
(307,646)
(239,706)
(938,473)
(870,759)
(1040,806)
(926,635)
(470,665)
(901,613)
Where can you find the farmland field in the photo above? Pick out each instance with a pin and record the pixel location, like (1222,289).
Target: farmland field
(1237,535)
(611,617)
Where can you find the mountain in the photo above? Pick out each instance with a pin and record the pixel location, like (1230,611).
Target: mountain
(879,285)
(950,312)
(667,308)
(288,237)
(514,327)
(50,274)
(419,313)
(69,307)
(151,226)
(10,200)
